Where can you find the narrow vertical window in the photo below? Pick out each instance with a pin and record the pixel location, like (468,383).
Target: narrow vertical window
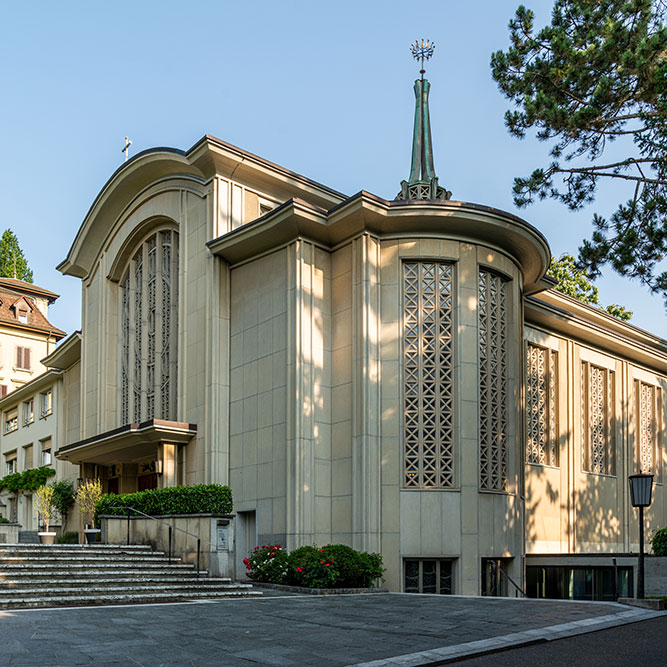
(492,313)
(148,331)
(648,428)
(125,351)
(597,410)
(428,454)
(541,405)
(151,288)
(138,332)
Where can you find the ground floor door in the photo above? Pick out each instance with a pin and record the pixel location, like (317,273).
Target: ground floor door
(145,482)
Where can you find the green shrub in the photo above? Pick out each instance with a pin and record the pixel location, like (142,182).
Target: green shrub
(313,568)
(196,499)
(63,497)
(29,480)
(268,563)
(68,537)
(3,520)
(659,542)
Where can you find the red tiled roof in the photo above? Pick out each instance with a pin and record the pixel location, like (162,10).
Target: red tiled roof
(36,320)
(27,288)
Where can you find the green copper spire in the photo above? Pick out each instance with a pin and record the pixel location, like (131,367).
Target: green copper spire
(423,183)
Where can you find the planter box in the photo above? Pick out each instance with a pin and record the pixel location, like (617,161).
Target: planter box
(9,533)
(317,591)
(215,531)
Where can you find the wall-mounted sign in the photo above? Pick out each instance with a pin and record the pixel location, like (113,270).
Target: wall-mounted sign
(222,542)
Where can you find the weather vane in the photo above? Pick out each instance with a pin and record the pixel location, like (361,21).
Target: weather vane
(422,50)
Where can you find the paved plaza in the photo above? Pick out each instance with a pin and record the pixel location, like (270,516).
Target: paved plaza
(375,629)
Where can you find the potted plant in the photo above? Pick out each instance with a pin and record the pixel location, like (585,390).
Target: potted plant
(87,496)
(63,498)
(44,505)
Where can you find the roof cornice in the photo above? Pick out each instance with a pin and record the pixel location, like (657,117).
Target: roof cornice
(561,314)
(365,212)
(66,354)
(29,388)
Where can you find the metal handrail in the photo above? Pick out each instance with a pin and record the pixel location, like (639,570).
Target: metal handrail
(182,530)
(507,576)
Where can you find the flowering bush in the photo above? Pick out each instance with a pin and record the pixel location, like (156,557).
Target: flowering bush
(312,567)
(332,566)
(267,563)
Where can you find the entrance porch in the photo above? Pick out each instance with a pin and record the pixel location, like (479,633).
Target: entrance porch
(134,457)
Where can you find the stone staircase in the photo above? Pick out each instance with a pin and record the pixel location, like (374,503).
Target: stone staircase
(72,575)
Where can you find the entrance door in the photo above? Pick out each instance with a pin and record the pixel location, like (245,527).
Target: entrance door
(146,482)
(112,485)
(246,539)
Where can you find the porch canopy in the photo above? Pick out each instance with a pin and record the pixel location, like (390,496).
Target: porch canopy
(128,444)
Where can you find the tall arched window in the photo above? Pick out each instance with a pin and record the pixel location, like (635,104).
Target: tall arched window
(149,322)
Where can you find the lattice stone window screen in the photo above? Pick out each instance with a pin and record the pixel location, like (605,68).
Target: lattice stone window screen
(428,455)
(649,428)
(597,420)
(541,405)
(148,330)
(493,392)
(428,575)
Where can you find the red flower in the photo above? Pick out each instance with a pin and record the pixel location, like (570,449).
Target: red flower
(327,564)
(246,560)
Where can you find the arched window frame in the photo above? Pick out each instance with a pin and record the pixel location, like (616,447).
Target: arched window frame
(148,311)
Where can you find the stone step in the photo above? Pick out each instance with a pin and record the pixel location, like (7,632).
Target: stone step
(48,574)
(94,590)
(67,582)
(45,549)
(126,598)
(11,570)
(85,558)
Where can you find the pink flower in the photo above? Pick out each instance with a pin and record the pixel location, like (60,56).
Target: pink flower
(299,569)
(327,564)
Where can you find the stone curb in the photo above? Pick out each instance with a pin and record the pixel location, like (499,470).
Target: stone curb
(644,603)
(441,656)
(317,591)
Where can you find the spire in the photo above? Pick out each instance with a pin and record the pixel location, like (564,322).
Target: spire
(422,183)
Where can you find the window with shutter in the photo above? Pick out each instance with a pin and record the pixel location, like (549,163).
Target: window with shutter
(23,358)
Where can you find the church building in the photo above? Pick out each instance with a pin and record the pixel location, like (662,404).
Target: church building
(395,375)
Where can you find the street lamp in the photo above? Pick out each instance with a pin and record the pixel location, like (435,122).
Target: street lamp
(641,486)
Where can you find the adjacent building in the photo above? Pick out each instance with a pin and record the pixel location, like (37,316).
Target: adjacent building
(394,375)
(26,335)
(29,391)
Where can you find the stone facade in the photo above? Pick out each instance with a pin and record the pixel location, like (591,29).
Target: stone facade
(397,376)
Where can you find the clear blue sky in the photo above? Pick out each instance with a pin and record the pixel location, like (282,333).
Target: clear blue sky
(324,89)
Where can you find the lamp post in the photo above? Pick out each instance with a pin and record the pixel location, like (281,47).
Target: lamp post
(641,487)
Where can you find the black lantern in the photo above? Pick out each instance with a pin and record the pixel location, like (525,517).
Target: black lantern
(641,488)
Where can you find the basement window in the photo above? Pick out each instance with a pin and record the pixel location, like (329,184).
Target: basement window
(427,575)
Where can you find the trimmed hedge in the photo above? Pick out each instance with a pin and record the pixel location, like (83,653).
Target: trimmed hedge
(659,542)
(196,499)
(29,480)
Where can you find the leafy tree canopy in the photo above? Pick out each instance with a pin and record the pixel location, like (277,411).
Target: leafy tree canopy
(12,262)
(597,74)
(575,283)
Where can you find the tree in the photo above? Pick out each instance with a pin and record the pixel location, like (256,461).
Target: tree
(597,74)
(12,262)
(575,283)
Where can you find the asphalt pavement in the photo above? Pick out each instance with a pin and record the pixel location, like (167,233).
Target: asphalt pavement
(332,631)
